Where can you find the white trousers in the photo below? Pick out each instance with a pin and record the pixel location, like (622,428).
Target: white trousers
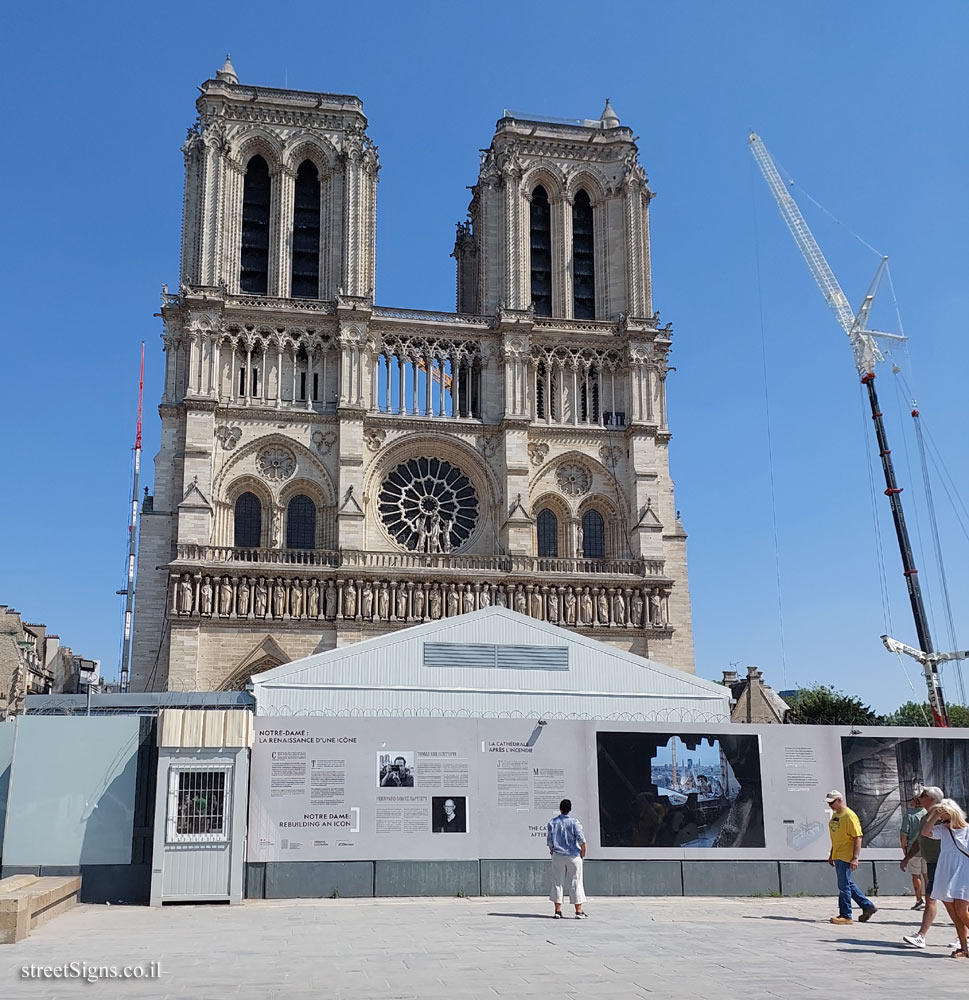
(567,878)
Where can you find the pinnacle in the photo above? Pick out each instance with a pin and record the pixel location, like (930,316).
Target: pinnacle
(609,118)
(227,74)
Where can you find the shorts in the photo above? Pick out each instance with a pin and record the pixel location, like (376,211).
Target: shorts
(929,876)
(916,866)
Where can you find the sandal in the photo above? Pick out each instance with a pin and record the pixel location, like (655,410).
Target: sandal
(959,954)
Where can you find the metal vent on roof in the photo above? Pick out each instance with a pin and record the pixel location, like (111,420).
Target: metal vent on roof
(459,654)
(486,655)
(533,657)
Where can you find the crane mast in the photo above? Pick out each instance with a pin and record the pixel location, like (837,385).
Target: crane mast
(129,591)
(866,354)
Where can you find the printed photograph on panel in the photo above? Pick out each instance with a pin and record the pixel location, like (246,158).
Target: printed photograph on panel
(663,790)
(395,769)
(449,814)
(883,772)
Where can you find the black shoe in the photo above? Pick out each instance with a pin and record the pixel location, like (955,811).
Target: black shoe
(581,916)
(868,913)
(556,916)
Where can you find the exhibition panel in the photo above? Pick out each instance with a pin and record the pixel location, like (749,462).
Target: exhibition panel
(326,789)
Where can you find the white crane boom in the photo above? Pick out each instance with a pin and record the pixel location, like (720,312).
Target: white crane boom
(803,236)
(862,340)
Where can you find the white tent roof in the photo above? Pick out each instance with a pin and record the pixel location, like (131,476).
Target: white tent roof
(389,676)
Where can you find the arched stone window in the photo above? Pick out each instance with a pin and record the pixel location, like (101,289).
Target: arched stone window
(540,229)
(305,282)
(548,533)
(583,259)
(254,270)
(301,523)
(593,535)
(248,521)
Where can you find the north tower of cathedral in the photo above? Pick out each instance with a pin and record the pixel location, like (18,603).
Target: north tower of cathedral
(331,469)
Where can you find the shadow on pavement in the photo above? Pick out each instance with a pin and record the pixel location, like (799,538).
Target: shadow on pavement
(823,920)
(877,948)
(526,916)
(775,916)
(878,945)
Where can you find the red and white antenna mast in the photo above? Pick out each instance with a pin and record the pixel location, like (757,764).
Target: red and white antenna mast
(129,591)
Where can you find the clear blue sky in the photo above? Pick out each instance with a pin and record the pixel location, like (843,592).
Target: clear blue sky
(864,103)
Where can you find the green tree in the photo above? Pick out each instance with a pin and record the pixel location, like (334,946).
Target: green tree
(822,705)
(914,714)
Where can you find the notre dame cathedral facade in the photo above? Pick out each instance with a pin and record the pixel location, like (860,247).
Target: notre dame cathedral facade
(331,469)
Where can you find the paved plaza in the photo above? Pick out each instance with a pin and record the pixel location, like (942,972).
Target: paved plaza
(498,947)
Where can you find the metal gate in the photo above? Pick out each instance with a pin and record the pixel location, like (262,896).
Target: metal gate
(199,824)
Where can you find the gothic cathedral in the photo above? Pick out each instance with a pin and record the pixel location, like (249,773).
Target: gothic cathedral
(331,469)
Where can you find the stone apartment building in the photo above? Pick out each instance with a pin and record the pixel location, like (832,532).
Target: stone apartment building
(32,661)
(331,469)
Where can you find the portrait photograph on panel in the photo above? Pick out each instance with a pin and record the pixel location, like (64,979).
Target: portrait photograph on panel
(679,790)
(449,814)
(395,769)
(883,772)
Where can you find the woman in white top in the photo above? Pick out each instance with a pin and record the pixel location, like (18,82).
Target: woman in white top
(946,823)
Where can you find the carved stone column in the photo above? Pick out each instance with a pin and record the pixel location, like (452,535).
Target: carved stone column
(231,248)
(512,203)
(360,168)
(174,580)
(633,185)
(561,211)
(212,200)
(284,192)
(172,342)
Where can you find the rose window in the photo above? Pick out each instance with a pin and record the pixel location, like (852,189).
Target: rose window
(276,463)
(574,479)
(428,505)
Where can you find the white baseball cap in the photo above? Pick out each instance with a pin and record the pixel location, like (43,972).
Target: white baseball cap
(832,796)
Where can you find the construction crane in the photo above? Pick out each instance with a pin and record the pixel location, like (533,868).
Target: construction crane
(864,345)
(129,592)
(437,374)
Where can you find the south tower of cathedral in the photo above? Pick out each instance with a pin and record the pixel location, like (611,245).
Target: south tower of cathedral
(331,469)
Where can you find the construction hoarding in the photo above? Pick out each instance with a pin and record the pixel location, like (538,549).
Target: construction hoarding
(328,789)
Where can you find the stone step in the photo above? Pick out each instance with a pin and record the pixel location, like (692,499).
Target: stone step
(27,901)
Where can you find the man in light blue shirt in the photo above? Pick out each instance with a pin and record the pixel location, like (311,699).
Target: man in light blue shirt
(566,845)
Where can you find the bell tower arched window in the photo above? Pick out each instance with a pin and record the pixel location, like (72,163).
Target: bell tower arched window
(593,535)
(540,229)
(248,521)
(305,282)
(583,259)
(254,270)
(548,534)
(301,523)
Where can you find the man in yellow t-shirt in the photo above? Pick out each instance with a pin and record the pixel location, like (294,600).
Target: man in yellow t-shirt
(845,830)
